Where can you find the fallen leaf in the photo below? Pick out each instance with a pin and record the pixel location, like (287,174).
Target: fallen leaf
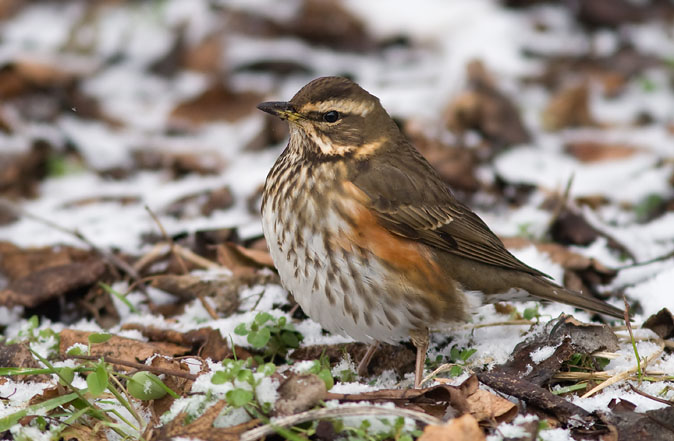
(120,347)
(568,108)
(652,425)
(179,385)
(55,281)
(80,432)
(486,406)
(206,55)
(217,103)
(486,109)
(661,323)
(179,163)
(21,172)
(593,151)
(18,355)
(17,262)
(202,427)
(463,428)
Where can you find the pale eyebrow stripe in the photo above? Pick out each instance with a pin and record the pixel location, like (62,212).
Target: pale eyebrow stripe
(345,106)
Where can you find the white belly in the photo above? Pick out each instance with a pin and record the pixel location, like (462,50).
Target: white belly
(344,292)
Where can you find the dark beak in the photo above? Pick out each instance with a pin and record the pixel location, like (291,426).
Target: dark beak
(282,109)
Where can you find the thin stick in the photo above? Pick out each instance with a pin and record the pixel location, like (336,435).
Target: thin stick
(138,366)
(337,412)
(168,239)
(634,343)
(654,398)
(665,256)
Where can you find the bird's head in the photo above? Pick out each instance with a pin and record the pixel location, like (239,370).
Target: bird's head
(336,117)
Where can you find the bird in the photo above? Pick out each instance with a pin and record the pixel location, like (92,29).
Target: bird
(369,240)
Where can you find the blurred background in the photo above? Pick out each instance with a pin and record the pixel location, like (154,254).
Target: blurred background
(553,120)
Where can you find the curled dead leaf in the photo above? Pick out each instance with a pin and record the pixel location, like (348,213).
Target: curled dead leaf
(463,428)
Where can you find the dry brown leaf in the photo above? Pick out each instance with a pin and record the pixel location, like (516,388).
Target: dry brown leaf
(80,432)
(217,103)
(45,284)
(486,406)
(179,385)
(16,263)
(261,257)
(180,162)
(21,172)
(486,109)
(593,151)
(661,323)
(464,428)
(12,355)
(202,427)
(230,257)
(206,55)
(568,108)
(120,347)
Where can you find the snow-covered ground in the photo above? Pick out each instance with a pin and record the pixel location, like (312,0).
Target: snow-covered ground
(414,83)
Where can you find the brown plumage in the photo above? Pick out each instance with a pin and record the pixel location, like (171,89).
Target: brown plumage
(367,237)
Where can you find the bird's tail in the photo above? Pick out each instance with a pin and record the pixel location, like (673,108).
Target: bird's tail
(547,290)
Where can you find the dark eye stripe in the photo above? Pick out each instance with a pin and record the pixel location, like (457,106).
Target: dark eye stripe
(318,116)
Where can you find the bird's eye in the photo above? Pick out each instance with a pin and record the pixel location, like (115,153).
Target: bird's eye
(331,116)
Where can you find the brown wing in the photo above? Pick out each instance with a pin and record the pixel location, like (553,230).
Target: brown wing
(416,204)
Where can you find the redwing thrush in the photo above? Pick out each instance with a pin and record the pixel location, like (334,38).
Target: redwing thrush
(368,238)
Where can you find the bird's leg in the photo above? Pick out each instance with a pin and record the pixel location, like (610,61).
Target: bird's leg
(420,338)
(365,362)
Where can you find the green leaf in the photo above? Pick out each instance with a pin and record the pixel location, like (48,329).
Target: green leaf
(263,317)
(99,337)
(220,377)
(75,350)
(67,375)
(466,353)
(267,369)
(238,397)
(326,376)
(9,420)
(530,313)
(259,338)
(97,381)
(245,376)
(455,371)
(290,339)
(241,329)
(33,322)
(146,386)
(121,297)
